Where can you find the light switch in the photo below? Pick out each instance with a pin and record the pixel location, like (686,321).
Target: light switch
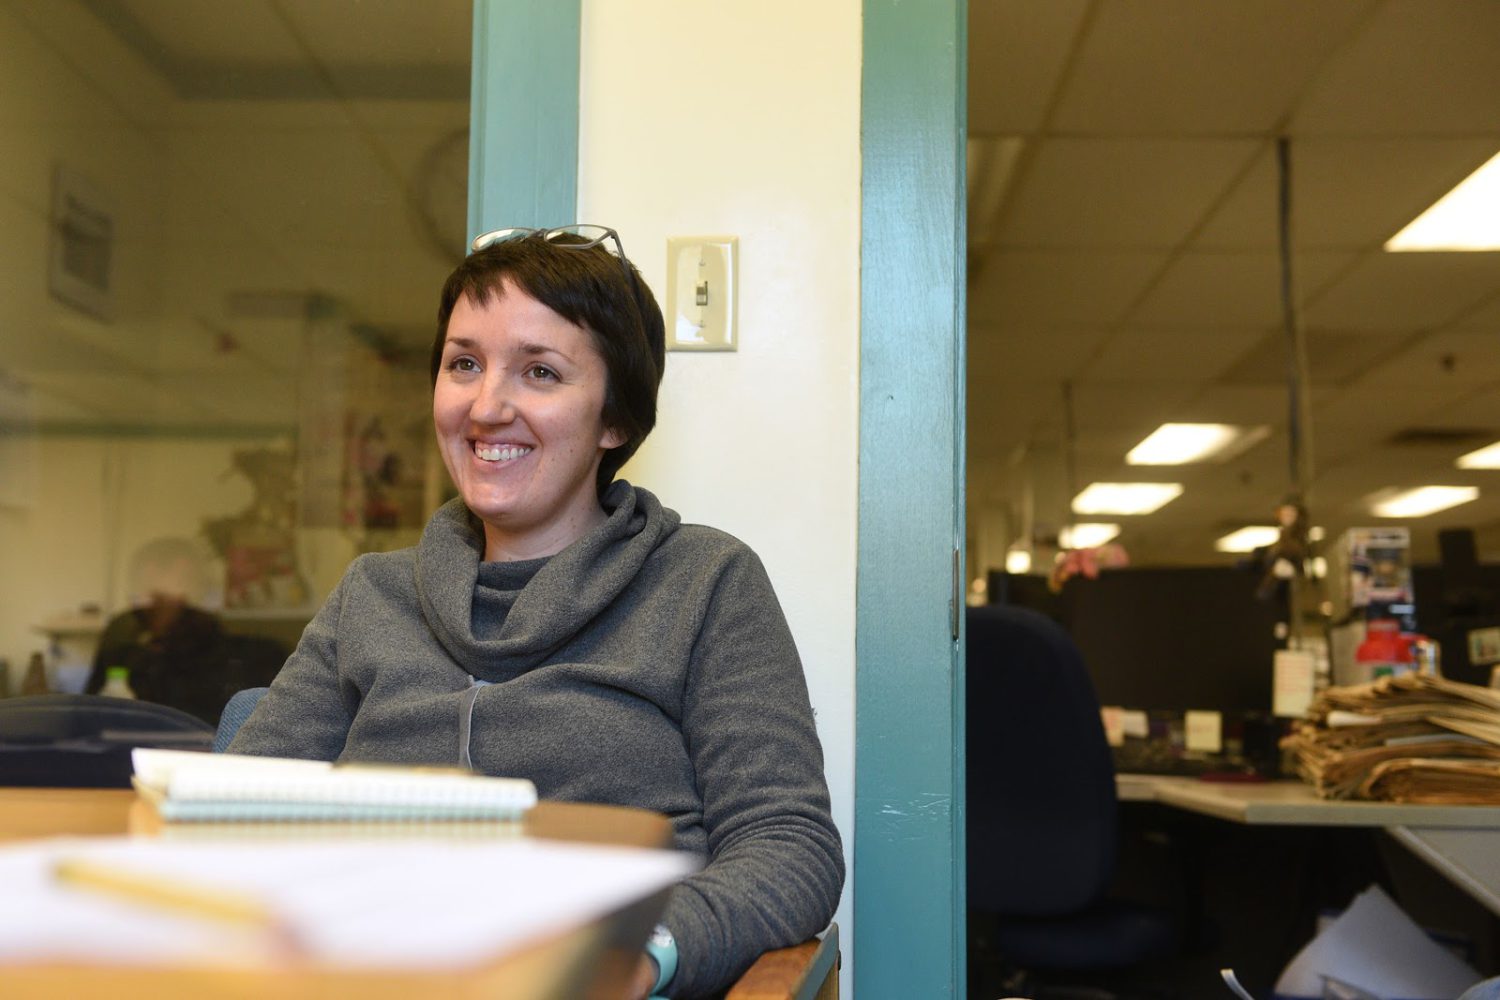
(701,293)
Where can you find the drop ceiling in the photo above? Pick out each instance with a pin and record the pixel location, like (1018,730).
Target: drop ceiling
(1125,247)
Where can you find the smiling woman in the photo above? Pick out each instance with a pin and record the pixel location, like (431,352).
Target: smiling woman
(558,625)
(518,405)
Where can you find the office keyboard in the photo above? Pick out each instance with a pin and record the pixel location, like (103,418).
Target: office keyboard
(1140,757)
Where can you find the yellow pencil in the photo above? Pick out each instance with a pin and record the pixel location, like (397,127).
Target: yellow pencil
(175,896)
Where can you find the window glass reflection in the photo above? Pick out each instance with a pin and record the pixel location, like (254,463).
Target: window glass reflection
(223,239)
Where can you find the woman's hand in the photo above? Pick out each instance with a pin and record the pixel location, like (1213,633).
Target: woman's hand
(642,979)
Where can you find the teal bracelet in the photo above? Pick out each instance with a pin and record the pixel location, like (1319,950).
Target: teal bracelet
(662,947)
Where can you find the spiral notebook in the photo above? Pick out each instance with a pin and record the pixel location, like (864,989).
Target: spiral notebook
(185,786)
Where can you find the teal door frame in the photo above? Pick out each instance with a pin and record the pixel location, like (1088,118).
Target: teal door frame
(909,919)
(908,848)
(523,114)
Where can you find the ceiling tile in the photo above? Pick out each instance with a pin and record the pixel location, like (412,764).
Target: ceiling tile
(1347,194)
(1119,193)
(1235,404)
(1017,50)
(1333,358)
(1422,67)
(1405,291)
(1015,354)
(1476,409)
(1003,414)
(1221,290)
(1443,365)
(1483,317)
(1189,356)
(1223,67)
(1030,289)
(1384,413)
(1142,405)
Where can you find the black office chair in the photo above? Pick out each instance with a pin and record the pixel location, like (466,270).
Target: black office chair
(1041,808)
(84,740)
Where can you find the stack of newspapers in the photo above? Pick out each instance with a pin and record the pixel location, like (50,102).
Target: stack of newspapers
(1413,738)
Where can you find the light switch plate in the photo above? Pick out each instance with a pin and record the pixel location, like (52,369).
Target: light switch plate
(701,295)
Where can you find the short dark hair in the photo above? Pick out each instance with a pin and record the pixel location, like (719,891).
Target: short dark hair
(587,287)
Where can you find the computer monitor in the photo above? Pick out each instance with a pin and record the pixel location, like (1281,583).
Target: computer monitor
(1171,638)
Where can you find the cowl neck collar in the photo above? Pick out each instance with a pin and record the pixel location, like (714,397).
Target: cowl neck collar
(566,594)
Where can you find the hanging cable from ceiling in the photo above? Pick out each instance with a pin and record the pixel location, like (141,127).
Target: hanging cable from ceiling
(1288,560)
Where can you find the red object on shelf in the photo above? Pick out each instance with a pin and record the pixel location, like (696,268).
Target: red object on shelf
(1385,649)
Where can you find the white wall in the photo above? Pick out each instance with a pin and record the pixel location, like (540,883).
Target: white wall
(744,119)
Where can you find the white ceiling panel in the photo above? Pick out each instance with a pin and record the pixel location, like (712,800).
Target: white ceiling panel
(1477,409)
(1222,67)
(1017,354)
(1386,412)
(1347,193)
(1343,444)
(1023,47)
(1228,290)
(1001,414)
(1419,67)
(1049,288)
(1483,317)
(1443,365)
(1179,355)
(1405,291)
(1334,360)
(1119,193)
(1235,404)
(1141,404)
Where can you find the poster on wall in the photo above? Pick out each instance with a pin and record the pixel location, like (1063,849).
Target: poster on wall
(81,250)
(365,430)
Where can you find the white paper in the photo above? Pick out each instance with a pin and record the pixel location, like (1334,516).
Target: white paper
(1376,947)
(1292,688)
(1203,731)
(407,904)
(1135,723)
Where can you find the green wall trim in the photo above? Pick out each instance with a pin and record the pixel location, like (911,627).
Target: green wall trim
(909,938)
(523,114)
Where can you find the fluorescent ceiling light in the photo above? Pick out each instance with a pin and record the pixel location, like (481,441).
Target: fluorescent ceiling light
(1125,498)
(1487,457)
(1180,444)
(1087,535)
(1018,561)
(1463,219)
(1248,539)
(1421,501)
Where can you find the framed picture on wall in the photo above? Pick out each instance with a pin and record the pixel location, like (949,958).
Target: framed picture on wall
(80,252)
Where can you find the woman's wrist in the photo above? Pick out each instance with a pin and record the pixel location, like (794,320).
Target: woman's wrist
(661,948)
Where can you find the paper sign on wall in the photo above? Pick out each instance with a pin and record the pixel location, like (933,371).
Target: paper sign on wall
(1292,684)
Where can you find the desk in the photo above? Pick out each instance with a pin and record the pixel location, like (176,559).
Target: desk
(586,962)
(1461,842)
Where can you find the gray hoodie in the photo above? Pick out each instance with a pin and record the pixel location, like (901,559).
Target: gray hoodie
(647,664)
